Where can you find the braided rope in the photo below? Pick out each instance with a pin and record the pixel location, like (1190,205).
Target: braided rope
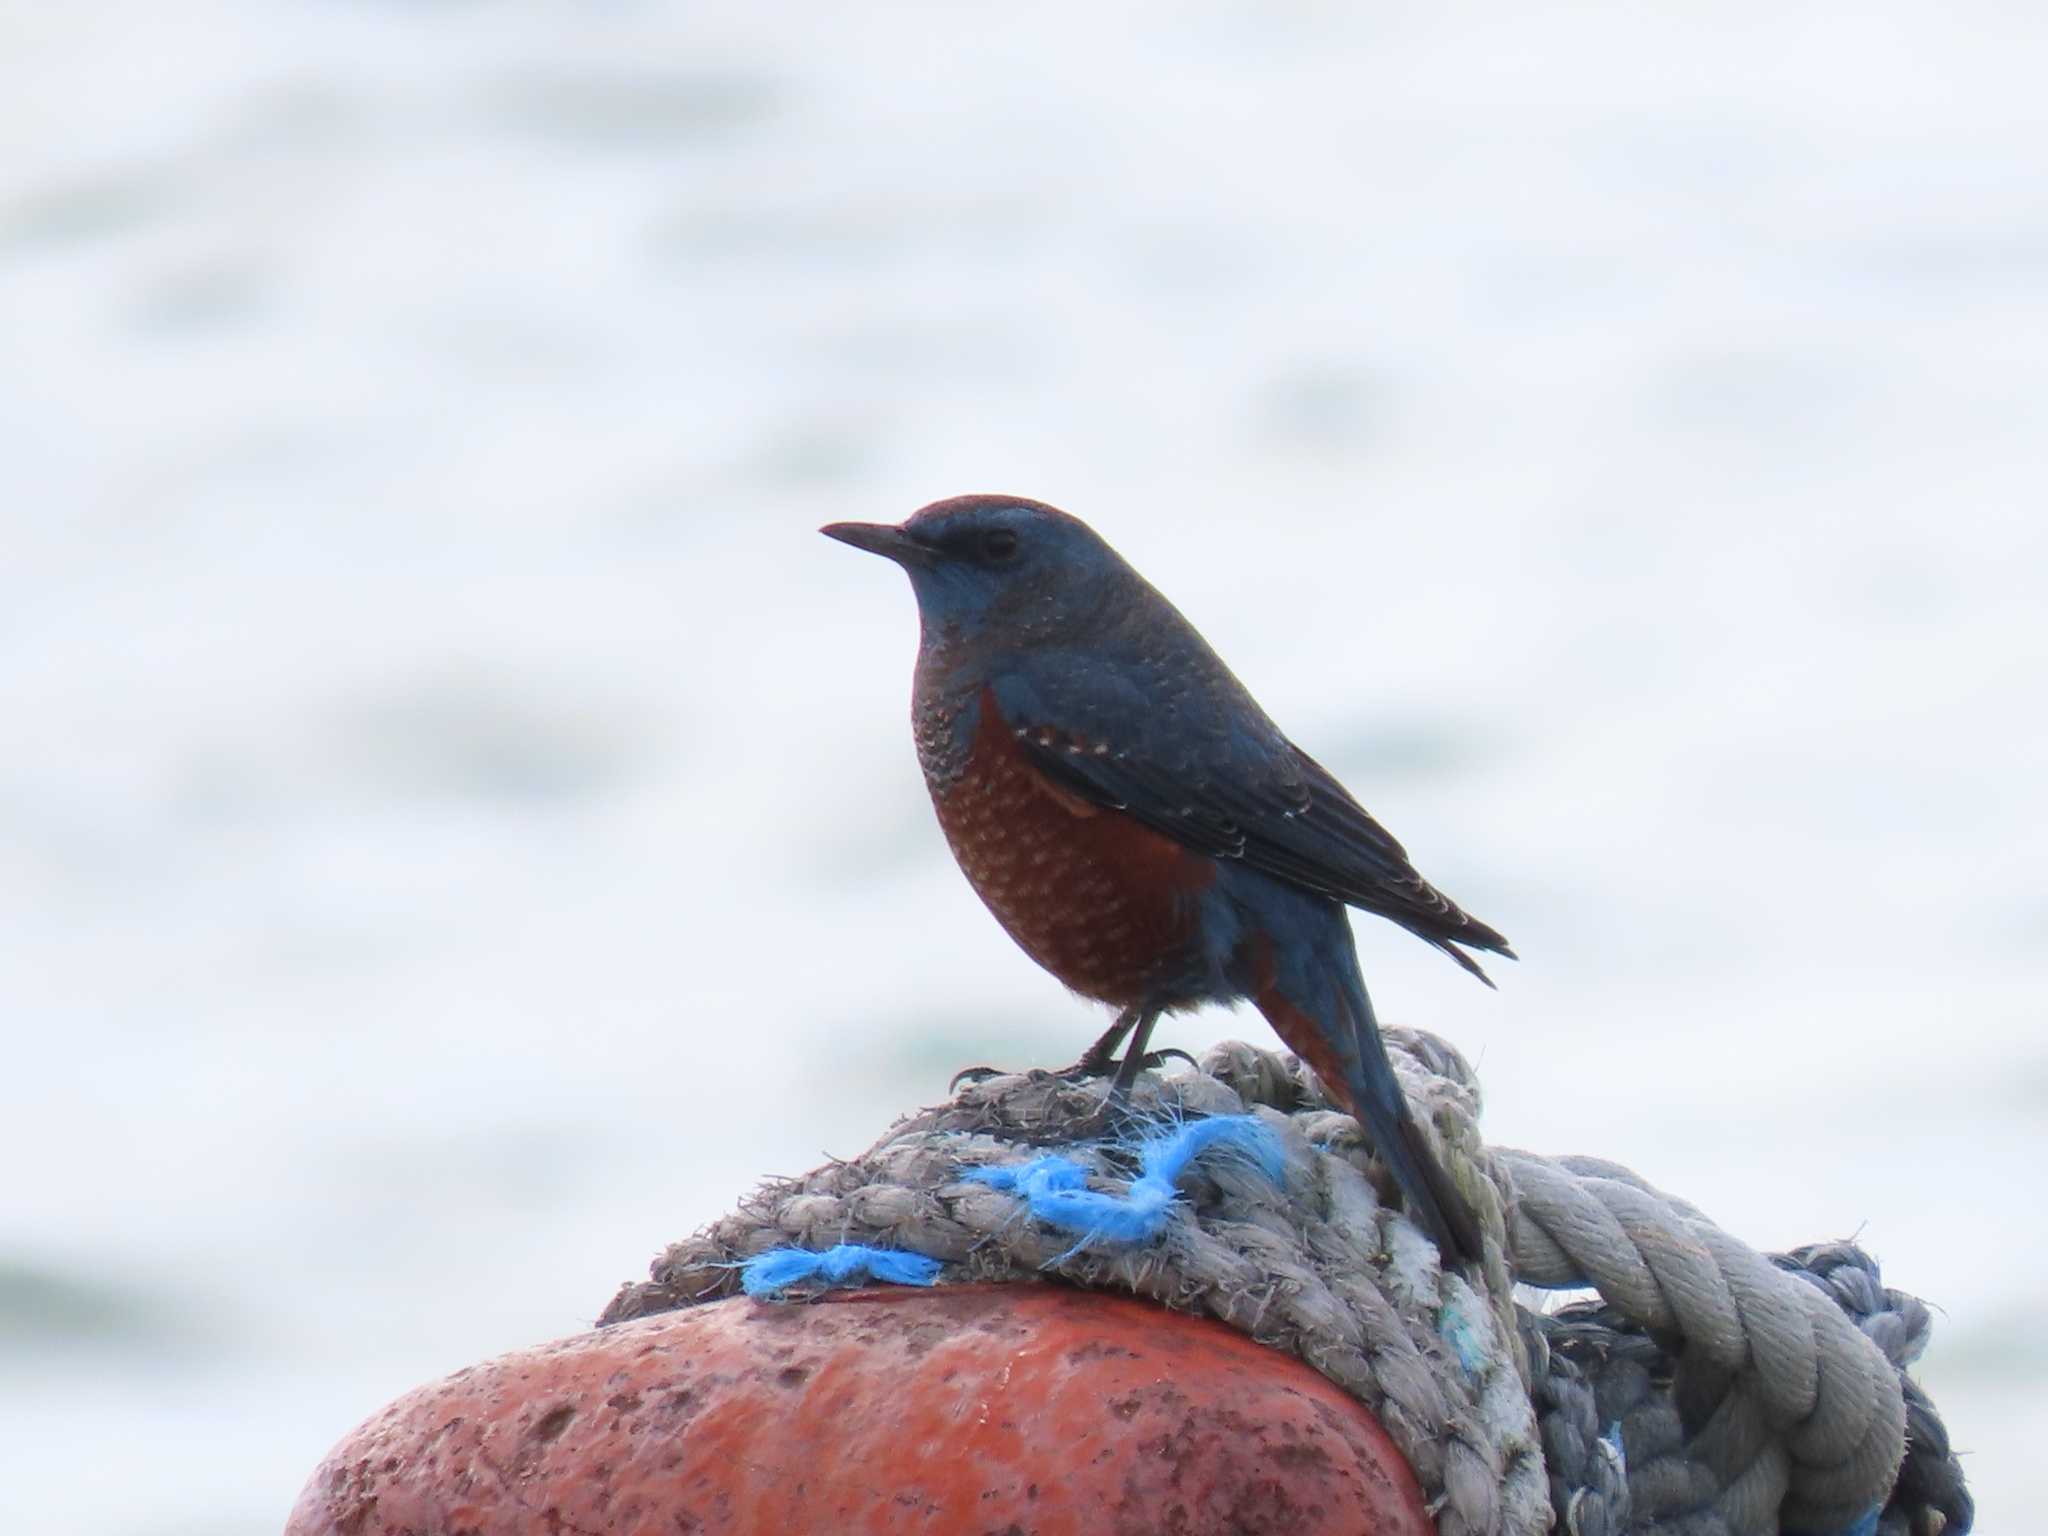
(1709,1391)
(1807,1421)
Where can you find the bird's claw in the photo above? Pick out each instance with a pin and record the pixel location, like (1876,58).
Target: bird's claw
(1152,1061)
(1091,1065)
(973,1075)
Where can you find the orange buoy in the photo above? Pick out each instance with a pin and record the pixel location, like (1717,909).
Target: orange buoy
(1014,1410)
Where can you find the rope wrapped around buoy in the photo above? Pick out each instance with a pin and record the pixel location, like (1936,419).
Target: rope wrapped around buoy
(1709,1390)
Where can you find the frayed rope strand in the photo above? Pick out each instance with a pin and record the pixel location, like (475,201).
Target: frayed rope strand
(773,1272)
(1056,1188)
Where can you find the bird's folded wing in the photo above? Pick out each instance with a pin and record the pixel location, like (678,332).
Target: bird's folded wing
(1225,782)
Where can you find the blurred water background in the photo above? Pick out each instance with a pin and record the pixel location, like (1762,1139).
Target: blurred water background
(458,825)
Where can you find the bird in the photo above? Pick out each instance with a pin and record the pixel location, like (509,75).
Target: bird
(1139,825)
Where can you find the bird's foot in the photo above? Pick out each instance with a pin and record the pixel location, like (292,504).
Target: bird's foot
(983,1074)
(1079,1072)
(1089,1067)
(1118,1117)
(1100,1059)
(1151,1061)
(973,1075)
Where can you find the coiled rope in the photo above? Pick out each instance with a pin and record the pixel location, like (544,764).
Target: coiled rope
(1708,1391)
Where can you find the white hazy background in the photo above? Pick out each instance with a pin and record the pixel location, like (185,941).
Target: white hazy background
(458,825)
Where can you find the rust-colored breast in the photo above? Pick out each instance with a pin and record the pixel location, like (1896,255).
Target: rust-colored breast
(1103,902)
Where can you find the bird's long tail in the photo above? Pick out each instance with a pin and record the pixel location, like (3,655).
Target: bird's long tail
(1341,1041)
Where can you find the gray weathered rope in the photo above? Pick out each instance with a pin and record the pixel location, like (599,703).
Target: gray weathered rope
(1596,1368)
(1710,1387)
(1930,1494)
(1809,1423)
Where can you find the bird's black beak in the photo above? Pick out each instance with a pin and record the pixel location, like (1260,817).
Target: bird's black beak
(883,539)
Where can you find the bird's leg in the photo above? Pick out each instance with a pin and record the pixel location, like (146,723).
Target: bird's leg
(1100,1059)
(1114,1115)
(1134,1057)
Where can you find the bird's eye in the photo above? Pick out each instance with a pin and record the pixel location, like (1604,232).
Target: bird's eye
(998,545)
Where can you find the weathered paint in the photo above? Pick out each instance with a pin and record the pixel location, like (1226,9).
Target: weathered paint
(1006,1410)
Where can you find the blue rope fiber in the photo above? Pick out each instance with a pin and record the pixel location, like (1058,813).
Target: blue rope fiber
(1458,1330)
(771,1273)
(1056,1188)
(1611,1437)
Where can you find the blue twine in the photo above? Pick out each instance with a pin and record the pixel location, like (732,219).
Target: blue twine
(770,1273)
(1056,1188)
(1462,1334)
(1611,1438)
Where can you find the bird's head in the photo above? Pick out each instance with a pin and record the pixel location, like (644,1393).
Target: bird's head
(998,568)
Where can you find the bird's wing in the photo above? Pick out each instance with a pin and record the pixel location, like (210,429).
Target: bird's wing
(1201,763)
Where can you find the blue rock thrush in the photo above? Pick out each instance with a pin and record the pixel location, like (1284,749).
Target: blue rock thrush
(1137,824)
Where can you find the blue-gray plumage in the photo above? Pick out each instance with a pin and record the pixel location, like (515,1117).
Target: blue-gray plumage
(1136,822)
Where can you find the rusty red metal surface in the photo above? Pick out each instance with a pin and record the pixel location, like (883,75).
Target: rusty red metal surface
(1006,1410)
